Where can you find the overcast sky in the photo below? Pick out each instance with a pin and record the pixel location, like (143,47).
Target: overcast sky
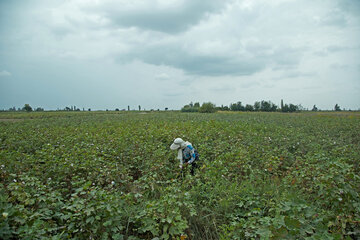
(165,53)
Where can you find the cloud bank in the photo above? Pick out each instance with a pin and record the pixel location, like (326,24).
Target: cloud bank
(255,48)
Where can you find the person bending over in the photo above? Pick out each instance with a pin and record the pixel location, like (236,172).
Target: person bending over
(187,154)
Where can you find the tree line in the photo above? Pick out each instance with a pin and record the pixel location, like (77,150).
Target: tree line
(206,107)
(258,106)
(28,108)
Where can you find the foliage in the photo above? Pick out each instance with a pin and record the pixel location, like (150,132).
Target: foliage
(237,107)
(207,107)
(264,106)
(27,108)
(187,108)
(267,106)
(111,175)
(192,107)
(290,108)
(337,108)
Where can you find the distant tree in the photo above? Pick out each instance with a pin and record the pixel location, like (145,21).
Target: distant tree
(237,107)
(337,107)
(128,108)
(191,107)
(285,108)
(290,108)
(139,108)
(67,109)
(293,108)
(273,107)
(257,106)
(197,105)
(282,105)
(13,109)
(301,108)
(265,106)
(89,109)
(39,109)
(223,108)
(116,109)
(207,107)
(166,109)
(314,109)
(27,108)
(249,107)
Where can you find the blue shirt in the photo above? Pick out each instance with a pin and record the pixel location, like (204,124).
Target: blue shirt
(188,154)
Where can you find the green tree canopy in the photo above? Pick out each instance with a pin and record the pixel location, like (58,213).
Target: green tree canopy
(27,108)
(207,107)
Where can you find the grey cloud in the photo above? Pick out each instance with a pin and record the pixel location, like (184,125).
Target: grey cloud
(320,53)
(250,84)
(172,19)
(170,95)
(5,73)
(334,48)
(300,74)
(334,18)
(223,89)
(338,66)
(192,63)
(218,66)
(195,64)
(350,6)
(295,74)
(287,56)
(61,31)
(162,76)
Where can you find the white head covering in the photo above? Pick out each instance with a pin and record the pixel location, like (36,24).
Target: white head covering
(179,144)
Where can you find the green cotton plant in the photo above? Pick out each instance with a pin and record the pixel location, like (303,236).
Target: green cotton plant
(93,212)
(7,212)
(164,218)
(34,213)
(111,175)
